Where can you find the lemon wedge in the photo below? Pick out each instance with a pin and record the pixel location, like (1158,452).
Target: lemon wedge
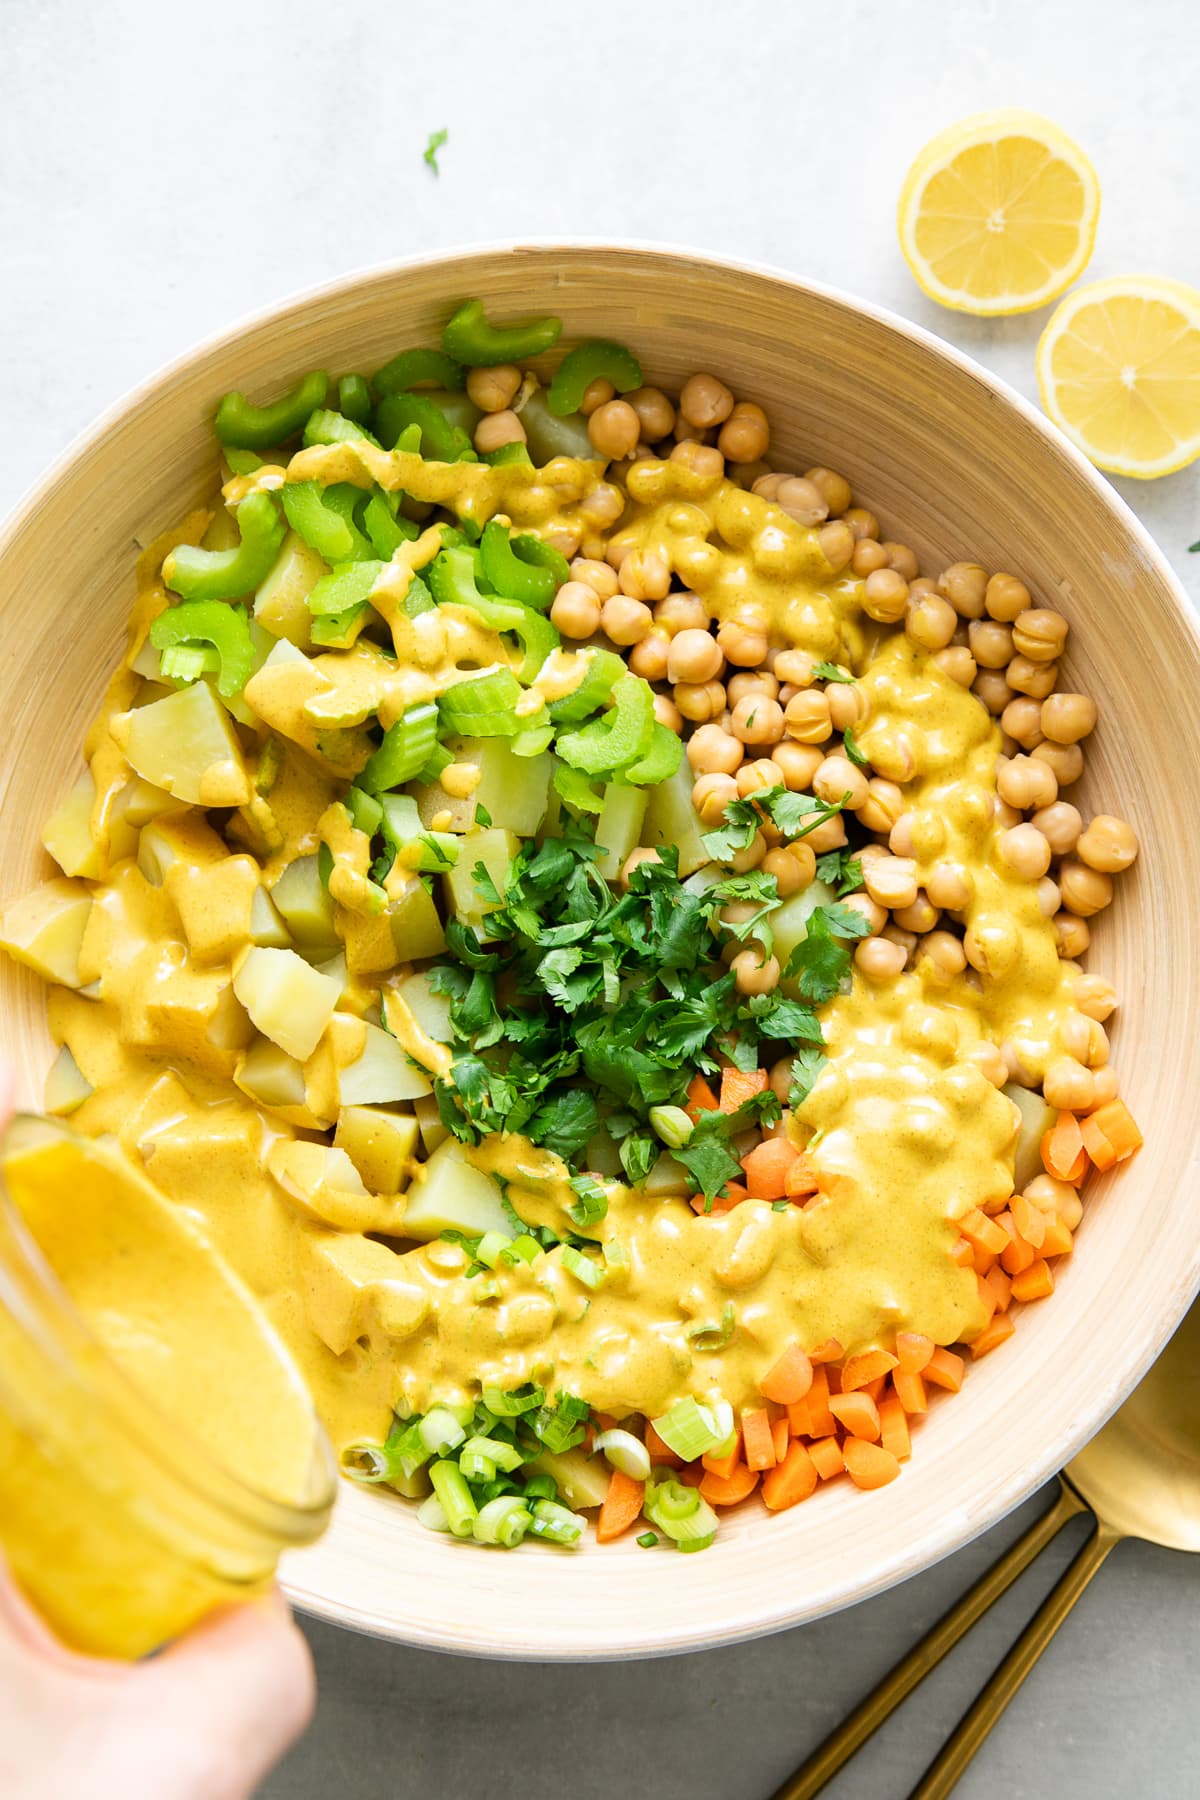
(998,213)
(1119,371)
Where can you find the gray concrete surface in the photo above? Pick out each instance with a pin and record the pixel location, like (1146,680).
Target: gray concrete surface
(165,169)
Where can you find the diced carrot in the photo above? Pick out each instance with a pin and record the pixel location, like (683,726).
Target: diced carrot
(1058,1240)
(913,1351)
(789,1379)
(857,1413)
(1029,1220)
(700,1098)
(734,1194)
(740,1085)
(910,1391)
(833,1377)
(1062,1146)
(692,1474)
(1000,1328)
(1001,1288)
(869,1465)
(893,1428)
(874,1390)
(986,1233)
(826,1456)
(1110,1134)
(811,1416)
(757,1438)
(857,1371)
(791,1481)
(828,1351)
(605,1421)
(731,1489)
(723,1466)
(766,1168)
(801,1178)
(1018,1256)
(622,1505)
(779,1437)
(945,1369)
(658,1451)
(987,1298)
(835,1184)
(981,1259)
(1035,1282)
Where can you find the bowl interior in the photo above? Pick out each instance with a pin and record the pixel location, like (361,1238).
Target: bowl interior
(956,468)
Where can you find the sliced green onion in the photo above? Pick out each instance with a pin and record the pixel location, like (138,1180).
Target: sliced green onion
(524,1249)
(687,1544)
(450,1486)
(561,1426)
(368,1462)
(505,1456)
(440,1431)
(503,1521)
(597,360)
(616,1258)
(671,1126)
(621,1450)
(540,1487)
(582,1267)
(689,1429)
(432,1514)
(714,1336)
(511,1406)
(489,1247)
(557,1524)
(648,1540)
(475,1465)
(592,1203)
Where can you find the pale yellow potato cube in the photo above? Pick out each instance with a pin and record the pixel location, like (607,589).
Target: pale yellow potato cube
(67,1087)
(288,1001)
(281,603)
(44,930)
(184,837)
(380,1144)
(381,1074)
(449,1194)
(187,745)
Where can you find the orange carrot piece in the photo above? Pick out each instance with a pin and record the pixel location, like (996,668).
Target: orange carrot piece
(987,1298)
(779,1437)
(692,1474)
(1035,1282)
(660,1452)
(874,1390)
(913,1351)
(789,1379)
(734,1194)
(945,1369)
(792,1480)
(893,1428)
(722,1466)
(801,1179)
(817,1421)
(1001,1288)
(963,1252)
(829,1351)
(826,1456)
(757,1438)
(1029,1220)
(910,1390)
(1018,1256)
(1061,1146)
(859,1371)
(1058,1240)
(869,1465)
(984,1233)
(731,1489)
(700,1098)
(1000,1329)
(740,1085)
(622,1505)
(1110,1134)
(766,1168)
(857,1413)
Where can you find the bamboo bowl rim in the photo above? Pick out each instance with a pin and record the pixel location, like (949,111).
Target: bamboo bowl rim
(767,1596)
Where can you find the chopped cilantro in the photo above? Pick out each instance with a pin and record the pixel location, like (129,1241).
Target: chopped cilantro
(827,671)
(482,815)
(795,815)
(842,870)
(852,750)
(436,140)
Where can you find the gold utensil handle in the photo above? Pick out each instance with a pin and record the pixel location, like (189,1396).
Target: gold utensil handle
(943,1773)
(883,1699)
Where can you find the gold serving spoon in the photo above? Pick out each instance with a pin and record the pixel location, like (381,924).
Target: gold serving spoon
(1139,1477)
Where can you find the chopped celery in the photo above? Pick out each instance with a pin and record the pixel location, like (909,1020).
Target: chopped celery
(325,427)
(623,736)
(453,576)
(385,530)
(597,360)
(510,574)
(417,368)
(324,518)
(194,626)
(483,706)
(407,746)
(440,440)
(660,762)
(229,574)
(432,852)
(604,669)
(344,587)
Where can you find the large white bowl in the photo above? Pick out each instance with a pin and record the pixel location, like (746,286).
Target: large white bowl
(956,465)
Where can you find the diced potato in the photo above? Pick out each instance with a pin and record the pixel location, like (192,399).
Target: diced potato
(450,1194)
(266,926)
(1036,1120)
(304,903)
(142,801)
(44,930)
(495,848)
(187,745)
(514,790)
(582,1479)
(380,1145)
(187,838)
(193,1014)
(288,1001)
(67,833)
(281,603)
(278,695)
(381,1074)
(790,923)
(430,1010)
(619,826)
(66,1085)
(416,925)
(667,1177)
(602,1157)
(672,819)
(214,905)
(269,1076)
(324,1183)
(353,1282)
(429,1123)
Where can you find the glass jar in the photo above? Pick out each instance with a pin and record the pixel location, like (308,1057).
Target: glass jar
(116,1517)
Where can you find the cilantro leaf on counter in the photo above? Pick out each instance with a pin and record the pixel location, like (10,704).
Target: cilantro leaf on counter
(436,140)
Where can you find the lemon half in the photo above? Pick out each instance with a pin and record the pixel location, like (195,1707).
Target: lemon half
(998,213)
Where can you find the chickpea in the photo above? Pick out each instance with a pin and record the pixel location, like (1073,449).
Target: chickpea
(786,870)
(702,459)
(496,429)
(1016,1069)
(830,834)
(602,505)
(746,435)
(837,544)
(742,861)
(805,858)
(868,557)
(1051,1196)
(757,720)
(711,794)
(645,575)
(624,620)
(901,840)
(920,917)
(1022,720)
(615,430)
(1108,844)
(956,664)
(1049,897)
(649,657)
(1106,1085)
(807,717)
(848,705)
(754,973)
(895,934)
(767,486)
(1073,934)
(796,666)
(700,701)
(1037,680)
(494,390)
(802,501)
(576,610)
(895,753)
(989,1061)
(694,657)
(883,805)
(1040,634)
(836,778)
(1068,717)
(901,559)
(1095,996)
(891,880)
(1060,825)
(930,621)
(990,644)
(668,714)
(597,575)
(1027,784)
(634,860)
(1068,1085)
(950,886)
(596,394)
(656,415)
(1003,815)
(1074,1036)
(761,682)
(1065,759)
(780,1079)
(712,750)
(990,687)
(834,489)
(875,915)
(705,401)
(799,763)
(885,596)
(743,639)
(1085,891)
(1005,598)
(879,959)
(946,954)
(1025,851)
(964,584)
(862,523)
